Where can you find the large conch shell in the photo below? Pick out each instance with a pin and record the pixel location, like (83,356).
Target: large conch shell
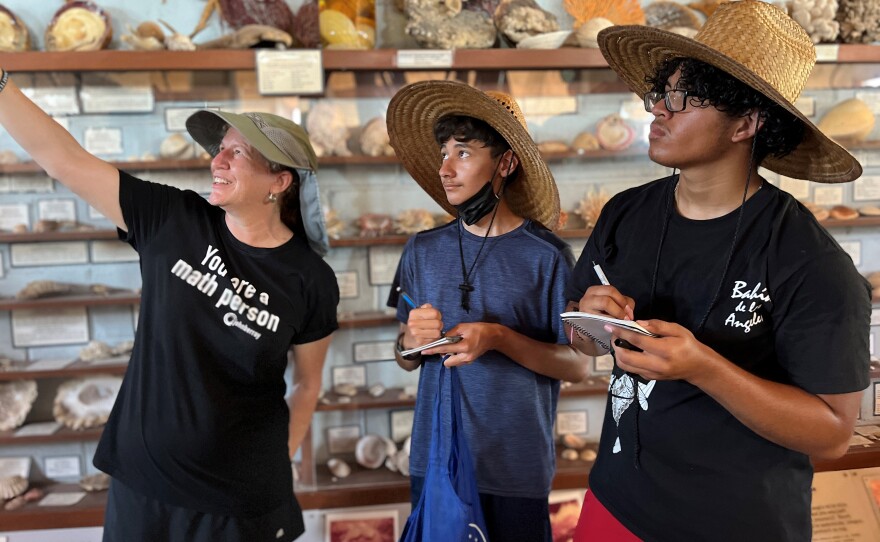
(14,36)
(79,26)
(12,486)
(16,400)
(86,402)
(850,120)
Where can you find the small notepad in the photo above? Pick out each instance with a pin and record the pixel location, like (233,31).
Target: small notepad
(593,326)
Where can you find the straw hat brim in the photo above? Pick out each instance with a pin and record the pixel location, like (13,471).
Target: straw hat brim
(415,109)
(634,52)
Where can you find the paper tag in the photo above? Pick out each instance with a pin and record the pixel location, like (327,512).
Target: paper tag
(348,284)
(37,429)
(548,106)
(572,422)
(828,195)
(35,327)
(103,99)
(59,209)
(103,140)
(39,254)
(866,188)
(175,117)
(401,424)
(290,72)
(63,467)
(373,351)
(113,252)
(827,52)
(342,440)
(13,214)
(67,498)
(356,375)
(382,263)
(419,58)
(55,101)
(854,249)
(796,187)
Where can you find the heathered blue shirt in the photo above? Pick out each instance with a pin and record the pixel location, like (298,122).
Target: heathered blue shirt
(508,410)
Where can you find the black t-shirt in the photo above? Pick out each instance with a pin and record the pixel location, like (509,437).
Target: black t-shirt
(201,421)
(792,309)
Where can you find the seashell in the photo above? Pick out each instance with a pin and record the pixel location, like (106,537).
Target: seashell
(548,40)
(842,212)
(328,131)
(584,142)
(123,348)
(518,20)
(375,225)
(575,442)
(869,210)
(819,212)
(335,226)
(614,134)
(338,467)
(20,228)
(34,494)
(850,120)
(250,35)
(177,147)
(668,15)
(95,482)
(149,29)
(177,41)
(391,463)
(414,220)
(337,30)
(591,206)
(344,400)
(588,455)
(685,31)
(569,455)
(374,140)
(618,11)
(405,447)
(553,146)
(348,390)
(14,35)
(14,504)
(7,157)
(16,399)
(44,288)
(86,402)
(376,390)
(140,42)
(79,26)
(401,461)
(96,350)
(560,225)
(13,486)
(371,451)
(586,34)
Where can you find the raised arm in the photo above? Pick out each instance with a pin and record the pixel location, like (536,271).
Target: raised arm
(59,154)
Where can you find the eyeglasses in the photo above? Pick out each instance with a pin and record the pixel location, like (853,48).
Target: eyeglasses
(675,100)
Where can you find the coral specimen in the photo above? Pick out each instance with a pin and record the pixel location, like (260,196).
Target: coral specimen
(444,25)
(817,17)
(617,11)
(859,21)
(520,19)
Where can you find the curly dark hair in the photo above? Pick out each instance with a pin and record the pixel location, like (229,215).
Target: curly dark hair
(466,129)
(781,131)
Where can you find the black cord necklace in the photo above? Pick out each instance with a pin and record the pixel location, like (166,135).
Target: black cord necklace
(466,287)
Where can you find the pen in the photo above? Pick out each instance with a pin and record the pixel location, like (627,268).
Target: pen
(601,274)
(407,298)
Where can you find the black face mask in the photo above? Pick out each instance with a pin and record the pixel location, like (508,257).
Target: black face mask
(478,205)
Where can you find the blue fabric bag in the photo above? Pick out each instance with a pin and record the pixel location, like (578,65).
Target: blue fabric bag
(449,506)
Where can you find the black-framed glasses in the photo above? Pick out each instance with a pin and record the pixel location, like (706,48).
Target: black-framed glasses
(674,99)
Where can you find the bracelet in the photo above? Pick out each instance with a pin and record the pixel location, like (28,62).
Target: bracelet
(400,349)
(4,79)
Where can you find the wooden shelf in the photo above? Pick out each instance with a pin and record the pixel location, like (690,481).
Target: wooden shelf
(70,301)
(63,434)
(18,370)
(366,319)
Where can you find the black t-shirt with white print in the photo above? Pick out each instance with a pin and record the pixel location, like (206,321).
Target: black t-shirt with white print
(201,421)
(673,463)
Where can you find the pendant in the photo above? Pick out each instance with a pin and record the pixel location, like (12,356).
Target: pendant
(466,290)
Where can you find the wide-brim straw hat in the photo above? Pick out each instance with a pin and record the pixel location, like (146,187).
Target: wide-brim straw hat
(756,43)
(416,108)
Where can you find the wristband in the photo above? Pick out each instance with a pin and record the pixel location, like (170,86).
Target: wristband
(3,80)
(400,348)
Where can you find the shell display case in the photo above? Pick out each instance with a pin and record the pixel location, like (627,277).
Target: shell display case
(63,348)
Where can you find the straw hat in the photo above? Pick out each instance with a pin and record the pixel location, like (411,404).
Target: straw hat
(281,141)
(756,43)
(415,109)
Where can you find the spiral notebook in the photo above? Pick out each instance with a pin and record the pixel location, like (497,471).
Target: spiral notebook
(593,326)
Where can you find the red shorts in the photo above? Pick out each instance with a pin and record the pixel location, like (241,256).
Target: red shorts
(596,524)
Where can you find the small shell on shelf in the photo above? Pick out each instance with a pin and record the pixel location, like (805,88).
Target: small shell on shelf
(14,35)
(614,134)
(588,455)
(414,220)
(371,451)
(95,482)
(86,402)
(849,121)
(548,40)
(8,157)
(79,26)
(869,210)
(818,211)
(667,15)
(376,390)
(345,390)
(375,225)
(338,467)
(575,442)
(591,206)
(584,142)
(250,35)
(44,288)
(335,225)
(874,279)
(16,399)
(12,486)
(842,212)
(374,140)
(177,147)
(148,36)
(553,146)
(96,350)
(34,494)
(14,503)
(569,455)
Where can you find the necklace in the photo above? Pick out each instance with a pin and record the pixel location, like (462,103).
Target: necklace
(466,287)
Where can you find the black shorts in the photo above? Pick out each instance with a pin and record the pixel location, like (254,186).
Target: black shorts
(132,517)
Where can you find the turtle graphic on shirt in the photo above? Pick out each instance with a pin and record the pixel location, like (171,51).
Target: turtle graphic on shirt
(623,394)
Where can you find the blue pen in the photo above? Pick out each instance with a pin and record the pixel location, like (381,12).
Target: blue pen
(407,298)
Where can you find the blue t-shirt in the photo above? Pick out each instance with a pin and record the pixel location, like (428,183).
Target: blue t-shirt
(508,410)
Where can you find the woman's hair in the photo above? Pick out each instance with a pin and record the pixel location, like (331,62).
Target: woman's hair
(288,201)
(707,86)
(466,129)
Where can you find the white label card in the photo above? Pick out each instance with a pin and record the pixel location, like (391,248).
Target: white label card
(356,375)
(63,467)
(13,214)
(290,72)
(32,183)
(828,195)
(54,101)
(40,327)
(548,105)
(373,351)
(103,140)
(401,424)
(854,249)
(348,284)
(872,98)
(382,263)
(57,209)
(806,105)
(875,317)
(827,52)
(37,429)
(95,214)
(572,422)
(38,254)
(876,398)
(866,188)
(117,99)
(67,498)
(343,439)
(175,117)
(418,58)
(113,252)
(634,110)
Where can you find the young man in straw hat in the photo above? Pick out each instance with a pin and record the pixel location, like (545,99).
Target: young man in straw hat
(762,318)
(496,277)
(200,438)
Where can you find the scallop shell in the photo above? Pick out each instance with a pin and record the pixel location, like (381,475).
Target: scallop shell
(14,504)
(12,486)
(14,35)
(86,402)
(177,147)
(338,467)
(371,451)
(591,206)
(95,482)
(586,35)
(16,400)
(79,26)
(850,120)
(585,141)
(548,40)
(575,442)
(588,455)
(347,390)
(414,220)
(569,455)
(374,140)
(614,134)
(842,212)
